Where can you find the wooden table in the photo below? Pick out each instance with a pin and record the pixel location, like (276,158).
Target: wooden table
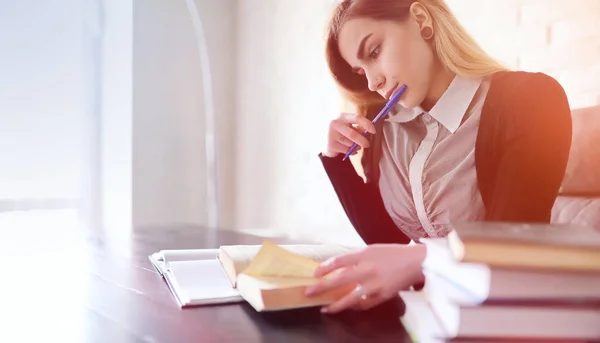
(100,287)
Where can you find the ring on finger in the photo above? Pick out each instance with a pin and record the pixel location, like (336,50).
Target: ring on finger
(361,292)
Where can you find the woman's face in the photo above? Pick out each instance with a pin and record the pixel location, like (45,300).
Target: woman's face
(389,54)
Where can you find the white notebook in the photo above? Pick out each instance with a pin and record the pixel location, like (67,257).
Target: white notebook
(195,277)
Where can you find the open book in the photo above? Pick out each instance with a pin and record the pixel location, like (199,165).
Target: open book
(269,277)
(194,277)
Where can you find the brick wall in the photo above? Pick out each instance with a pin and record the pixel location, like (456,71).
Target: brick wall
(558,37)
(286,98)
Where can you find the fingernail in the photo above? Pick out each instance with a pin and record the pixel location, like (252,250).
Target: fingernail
(309,291)
(324,310)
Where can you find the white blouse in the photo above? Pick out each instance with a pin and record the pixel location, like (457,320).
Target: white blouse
(428,177)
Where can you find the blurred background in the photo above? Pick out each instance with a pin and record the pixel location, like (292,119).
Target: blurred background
(121,114)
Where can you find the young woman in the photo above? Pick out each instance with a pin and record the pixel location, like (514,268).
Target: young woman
(469,140)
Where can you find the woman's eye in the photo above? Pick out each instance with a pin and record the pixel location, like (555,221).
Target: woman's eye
(374,53)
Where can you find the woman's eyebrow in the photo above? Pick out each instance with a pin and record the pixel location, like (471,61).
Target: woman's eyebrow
(361,47)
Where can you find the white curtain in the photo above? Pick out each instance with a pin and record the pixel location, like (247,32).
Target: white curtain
(45,103)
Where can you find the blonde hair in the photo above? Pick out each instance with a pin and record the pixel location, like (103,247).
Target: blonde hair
(453,46)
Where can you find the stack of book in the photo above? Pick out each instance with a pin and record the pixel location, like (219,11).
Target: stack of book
(493,282)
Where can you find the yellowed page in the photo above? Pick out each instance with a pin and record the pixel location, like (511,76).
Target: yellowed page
(318,253)
(274,282)
(242,255)
(273,260)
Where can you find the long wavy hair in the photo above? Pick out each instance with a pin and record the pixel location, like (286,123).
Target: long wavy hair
(453,46)
(456,50)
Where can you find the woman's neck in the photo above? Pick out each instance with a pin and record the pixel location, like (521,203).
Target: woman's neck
(440,81)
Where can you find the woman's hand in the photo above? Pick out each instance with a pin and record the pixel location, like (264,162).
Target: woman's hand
(380,271)
(342,134)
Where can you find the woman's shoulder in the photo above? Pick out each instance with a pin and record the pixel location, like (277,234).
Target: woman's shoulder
(520,92)
(524,85)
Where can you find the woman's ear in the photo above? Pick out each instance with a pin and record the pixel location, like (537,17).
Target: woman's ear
(423,19)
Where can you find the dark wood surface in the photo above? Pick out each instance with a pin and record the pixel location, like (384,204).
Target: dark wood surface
(73,286)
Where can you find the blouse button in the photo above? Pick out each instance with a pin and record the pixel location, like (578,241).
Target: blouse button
(427,118)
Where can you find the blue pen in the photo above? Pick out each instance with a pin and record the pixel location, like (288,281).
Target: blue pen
(386,109)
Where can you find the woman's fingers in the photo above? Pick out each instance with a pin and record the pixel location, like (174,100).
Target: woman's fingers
(338,147)
(342,131)
(359,120)
(337,262)
(353,135)
(353,299)
(343,138)
(344,141)
(350,275)
(368,303)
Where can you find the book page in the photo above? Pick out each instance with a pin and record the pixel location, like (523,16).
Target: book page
(273,260)
(273,282)
(319,253)
(189,255)
(201,282)
(242,255)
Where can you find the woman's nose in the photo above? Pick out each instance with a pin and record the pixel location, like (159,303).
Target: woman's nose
(375,83)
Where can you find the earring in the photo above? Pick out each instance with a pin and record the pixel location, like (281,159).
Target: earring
(427,32)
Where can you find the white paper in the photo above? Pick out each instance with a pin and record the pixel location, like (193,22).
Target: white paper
(201,282)
(420,320)
(189,255)
(470,282)
(161,259)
